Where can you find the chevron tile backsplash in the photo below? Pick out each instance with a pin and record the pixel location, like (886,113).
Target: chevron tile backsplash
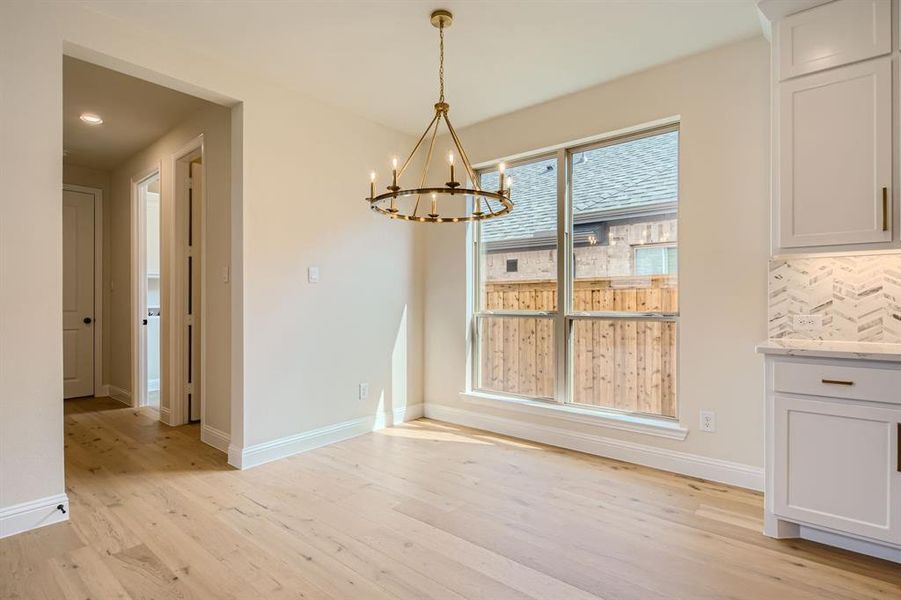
(858,296)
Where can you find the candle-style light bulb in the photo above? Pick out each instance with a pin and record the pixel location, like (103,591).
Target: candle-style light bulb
(434,204)
(500,169)
(509,183)
(394,171)
(450,160)
(372,184)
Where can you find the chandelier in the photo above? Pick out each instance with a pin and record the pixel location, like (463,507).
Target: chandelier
(453,201)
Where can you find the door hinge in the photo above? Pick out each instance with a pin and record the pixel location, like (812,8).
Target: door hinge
(189,388)
(190,183)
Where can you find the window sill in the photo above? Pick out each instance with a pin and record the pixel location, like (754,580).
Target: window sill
(658,427)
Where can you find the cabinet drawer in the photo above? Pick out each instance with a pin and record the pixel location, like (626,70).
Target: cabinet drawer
(838,381)
(832,35)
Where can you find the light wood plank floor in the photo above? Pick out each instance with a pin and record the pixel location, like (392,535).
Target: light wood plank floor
(425,510)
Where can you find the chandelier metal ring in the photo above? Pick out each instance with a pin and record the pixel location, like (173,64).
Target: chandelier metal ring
(377,204)
(389,203)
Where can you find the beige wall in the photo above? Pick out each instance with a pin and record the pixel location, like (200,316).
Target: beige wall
(214,123)
(299,174)
(722,97)
(31,385)
(307,346)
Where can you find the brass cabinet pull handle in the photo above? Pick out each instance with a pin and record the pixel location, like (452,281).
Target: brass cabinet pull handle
(837,381)
(884,208)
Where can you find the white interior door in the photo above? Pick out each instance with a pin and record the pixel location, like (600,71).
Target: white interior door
(78,294)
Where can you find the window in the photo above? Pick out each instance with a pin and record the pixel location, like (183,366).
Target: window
(596,326)
(655,260)
(515,324)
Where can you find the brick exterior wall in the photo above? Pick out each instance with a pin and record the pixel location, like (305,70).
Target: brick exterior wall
(613,259)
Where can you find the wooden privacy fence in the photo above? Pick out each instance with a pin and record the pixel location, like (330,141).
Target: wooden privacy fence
(629,365)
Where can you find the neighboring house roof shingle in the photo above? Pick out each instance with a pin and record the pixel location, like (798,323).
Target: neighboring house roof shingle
(634,175)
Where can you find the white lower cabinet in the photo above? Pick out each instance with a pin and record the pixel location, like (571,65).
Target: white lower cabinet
(836,465)
(833,462)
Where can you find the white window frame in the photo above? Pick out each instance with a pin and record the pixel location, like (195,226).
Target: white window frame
(564,317)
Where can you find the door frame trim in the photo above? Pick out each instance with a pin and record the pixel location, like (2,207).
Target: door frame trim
(137,310)
(99,388)
(178,405)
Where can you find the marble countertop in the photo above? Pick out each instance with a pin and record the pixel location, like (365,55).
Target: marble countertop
(832,349)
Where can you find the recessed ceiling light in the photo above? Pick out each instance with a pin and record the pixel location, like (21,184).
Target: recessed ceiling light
(91,118)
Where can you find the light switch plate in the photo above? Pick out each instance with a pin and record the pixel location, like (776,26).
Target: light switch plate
(364,391)
(313,275)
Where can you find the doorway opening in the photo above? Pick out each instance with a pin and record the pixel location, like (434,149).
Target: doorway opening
(148,293)
(160,157)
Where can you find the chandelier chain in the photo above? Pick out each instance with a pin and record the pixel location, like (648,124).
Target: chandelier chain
(441,60)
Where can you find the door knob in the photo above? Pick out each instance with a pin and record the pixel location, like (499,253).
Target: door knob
(87,320)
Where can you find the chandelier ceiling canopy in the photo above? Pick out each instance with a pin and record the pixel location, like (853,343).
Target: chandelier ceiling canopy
(449,202)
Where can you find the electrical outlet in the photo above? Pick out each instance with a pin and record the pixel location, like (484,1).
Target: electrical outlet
(364,391)
(807,323)
(313,275)
(708,421)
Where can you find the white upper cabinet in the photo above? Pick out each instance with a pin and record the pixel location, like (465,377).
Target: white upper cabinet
(834,166)
(832,35)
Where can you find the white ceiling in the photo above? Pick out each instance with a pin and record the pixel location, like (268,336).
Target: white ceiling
(135,113)
(379,59)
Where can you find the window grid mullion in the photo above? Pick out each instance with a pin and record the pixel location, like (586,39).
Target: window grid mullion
(522,314)
(563,344)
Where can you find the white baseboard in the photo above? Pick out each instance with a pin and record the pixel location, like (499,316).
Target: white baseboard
(31,515)
(694,465)
(398,415)
(117,393)
(165,415)
(216,438)
(102,391)
(258,454)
